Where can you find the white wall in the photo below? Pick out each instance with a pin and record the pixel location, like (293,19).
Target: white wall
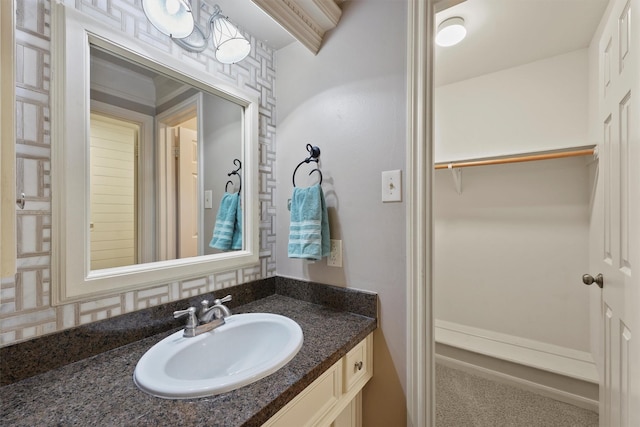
(510,251)
(350,100)
(222,128)
(533,107)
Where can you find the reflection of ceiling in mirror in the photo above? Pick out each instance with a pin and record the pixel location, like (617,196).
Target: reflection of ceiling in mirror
(97,53)
(116,76)
(168,88)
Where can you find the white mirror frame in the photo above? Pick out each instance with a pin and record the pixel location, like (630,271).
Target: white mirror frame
(72,279)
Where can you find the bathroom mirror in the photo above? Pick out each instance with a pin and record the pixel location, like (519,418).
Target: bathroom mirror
(193,140)
(145,148)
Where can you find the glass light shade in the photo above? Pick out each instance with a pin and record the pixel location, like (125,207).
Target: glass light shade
(230,46)
(170,17)
(450,32)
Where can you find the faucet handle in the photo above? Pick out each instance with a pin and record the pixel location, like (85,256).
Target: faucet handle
(192,320)
(205,303)
(220,301)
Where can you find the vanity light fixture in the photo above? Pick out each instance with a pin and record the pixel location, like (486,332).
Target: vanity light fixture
(229,44)
(171,17)
(451,31)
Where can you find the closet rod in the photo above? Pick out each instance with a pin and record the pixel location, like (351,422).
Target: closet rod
(516,159)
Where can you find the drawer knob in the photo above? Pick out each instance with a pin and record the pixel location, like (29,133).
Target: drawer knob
(358,366)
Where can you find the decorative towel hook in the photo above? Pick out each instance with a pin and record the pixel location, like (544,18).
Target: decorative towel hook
(314,153)
(238,164)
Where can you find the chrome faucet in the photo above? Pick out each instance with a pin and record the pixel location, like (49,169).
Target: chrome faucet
(209,318)
(217,311)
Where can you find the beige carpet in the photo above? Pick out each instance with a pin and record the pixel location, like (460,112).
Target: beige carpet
(465,400)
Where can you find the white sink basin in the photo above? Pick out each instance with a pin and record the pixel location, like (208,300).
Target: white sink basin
(246,348)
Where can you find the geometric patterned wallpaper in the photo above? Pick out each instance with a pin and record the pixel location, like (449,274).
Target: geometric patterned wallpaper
(25,308)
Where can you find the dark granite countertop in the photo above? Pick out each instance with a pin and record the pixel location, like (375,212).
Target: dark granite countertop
(100,390)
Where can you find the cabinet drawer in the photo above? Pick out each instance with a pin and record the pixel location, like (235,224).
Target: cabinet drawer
(357,364)
(313,403)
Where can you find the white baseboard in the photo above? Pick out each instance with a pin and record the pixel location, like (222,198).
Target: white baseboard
(560,360)
(561,373)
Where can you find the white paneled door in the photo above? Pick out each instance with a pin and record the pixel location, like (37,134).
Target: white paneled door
(188,193)
(615,231)
(113,204)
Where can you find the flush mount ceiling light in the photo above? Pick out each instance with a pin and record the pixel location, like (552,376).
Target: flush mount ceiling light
(229,44)
(170,17)
(451,31)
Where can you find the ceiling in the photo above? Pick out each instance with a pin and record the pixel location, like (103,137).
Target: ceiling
(500,33)
(251,18)
(506,33)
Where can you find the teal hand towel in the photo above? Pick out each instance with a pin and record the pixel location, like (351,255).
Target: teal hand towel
(224,229)
(309,227)
(236,240)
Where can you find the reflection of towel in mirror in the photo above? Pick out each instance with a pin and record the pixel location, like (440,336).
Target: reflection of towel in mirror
(236,240)
(309,227)
(227,232)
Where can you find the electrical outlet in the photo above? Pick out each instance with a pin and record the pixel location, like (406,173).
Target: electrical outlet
(335,256)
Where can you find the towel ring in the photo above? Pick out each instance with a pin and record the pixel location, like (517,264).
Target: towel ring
(314,153)
(238,163)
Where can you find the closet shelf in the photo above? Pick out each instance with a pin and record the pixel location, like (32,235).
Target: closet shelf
(455,167)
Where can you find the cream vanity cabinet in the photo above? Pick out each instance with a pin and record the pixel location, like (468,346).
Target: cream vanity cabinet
(334,399)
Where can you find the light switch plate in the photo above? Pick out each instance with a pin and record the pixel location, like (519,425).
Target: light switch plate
(392,186)
(208,202)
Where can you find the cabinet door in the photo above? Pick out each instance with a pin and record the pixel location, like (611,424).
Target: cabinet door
(313,403)
(335,398)
(351,416)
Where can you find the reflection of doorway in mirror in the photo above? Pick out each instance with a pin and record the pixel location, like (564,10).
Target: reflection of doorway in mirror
(188,192)
(113,197)
(178,149)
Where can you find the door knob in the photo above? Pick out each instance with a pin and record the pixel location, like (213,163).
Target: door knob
(588,279)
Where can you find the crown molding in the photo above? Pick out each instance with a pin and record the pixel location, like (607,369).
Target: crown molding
(306,20)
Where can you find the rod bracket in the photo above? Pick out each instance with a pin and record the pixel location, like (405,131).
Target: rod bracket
(456,173)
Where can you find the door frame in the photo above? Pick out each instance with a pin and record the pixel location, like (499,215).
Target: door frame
(420,347)
(419,225)
(165,173)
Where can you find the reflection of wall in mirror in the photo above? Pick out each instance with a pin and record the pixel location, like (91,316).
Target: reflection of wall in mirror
(222,141)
